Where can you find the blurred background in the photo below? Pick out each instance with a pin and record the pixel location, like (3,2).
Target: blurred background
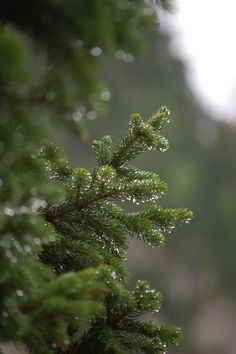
(185,66)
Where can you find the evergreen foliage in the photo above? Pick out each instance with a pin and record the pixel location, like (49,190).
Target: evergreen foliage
(195,272)
(65,41)
(83,248)
(92,231)
(64,265)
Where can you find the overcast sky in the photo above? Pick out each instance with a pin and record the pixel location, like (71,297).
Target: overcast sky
(205,35)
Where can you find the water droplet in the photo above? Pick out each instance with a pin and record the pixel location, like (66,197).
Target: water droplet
(27,248)
(23,209)
(120,54)
(96,51)
(19,292)
(78,44)
(77,116)
(14,260)
(105,95)
(113,274)
(128,58)
(9,211)
(91,115)
(37,203)
(37,241)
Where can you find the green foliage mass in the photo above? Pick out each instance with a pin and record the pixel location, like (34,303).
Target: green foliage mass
(64,265)
(92,231)
(86,274)
(64,40)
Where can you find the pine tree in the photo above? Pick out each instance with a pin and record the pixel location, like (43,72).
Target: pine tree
(62,263)
(92,232)
(84,276)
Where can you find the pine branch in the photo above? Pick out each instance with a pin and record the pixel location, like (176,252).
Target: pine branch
(93,231)
(116,161)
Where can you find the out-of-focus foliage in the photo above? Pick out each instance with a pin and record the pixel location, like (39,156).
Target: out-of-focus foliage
(50,51)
